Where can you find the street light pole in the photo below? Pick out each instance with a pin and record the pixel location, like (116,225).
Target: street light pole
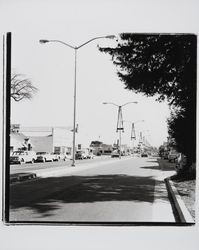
(74,114)
(120,142)
(120,129)
(43,41)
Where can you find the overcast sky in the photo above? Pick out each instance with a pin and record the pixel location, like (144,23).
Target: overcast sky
(51,69)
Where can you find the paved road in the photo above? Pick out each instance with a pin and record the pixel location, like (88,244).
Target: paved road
(17,168)
(126,190)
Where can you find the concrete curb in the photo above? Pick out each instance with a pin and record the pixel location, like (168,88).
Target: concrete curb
(179,206)
(22,177)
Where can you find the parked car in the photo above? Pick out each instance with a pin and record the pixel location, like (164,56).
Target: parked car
(22,157)
(43,157)
(79,155)
(181,161)
(154,154)
(68,156)
(173,155)
(55,156)
(87,155)
(165,155)
(62,156)
(90,156)
(115,153)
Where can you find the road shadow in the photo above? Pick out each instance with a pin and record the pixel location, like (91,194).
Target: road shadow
(163,165)
(45,195)
(20,174)
(157,168)
(152,161)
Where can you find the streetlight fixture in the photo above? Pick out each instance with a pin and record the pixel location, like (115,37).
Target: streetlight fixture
(119,121)
(44,41)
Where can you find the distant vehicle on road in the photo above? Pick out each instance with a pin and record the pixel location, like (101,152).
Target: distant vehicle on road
(154,155)
(115,153)
(43,157)
(173,155)
(22,157)
(144,155)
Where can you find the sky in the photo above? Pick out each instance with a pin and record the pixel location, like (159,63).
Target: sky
(50,67)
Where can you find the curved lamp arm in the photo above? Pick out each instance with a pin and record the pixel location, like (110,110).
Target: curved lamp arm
(128,103)
(58,41)
(111,103)
(99,37)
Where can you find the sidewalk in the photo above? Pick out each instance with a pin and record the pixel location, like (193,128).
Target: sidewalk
(162,209)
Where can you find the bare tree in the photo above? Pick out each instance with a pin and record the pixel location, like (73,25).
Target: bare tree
(21,88)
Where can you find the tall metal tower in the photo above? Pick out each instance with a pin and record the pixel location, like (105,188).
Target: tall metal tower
(120,125)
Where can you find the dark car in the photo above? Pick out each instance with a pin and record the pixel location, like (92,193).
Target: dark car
(79,155)
(144,155)
(165,155)
(173,155)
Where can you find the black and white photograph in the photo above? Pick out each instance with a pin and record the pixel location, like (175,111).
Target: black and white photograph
(99,119)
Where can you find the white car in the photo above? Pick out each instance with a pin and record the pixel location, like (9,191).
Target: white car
(62,156)
(90,156)
(44,156)
(181,162)
(22,157)
(115,153)
(55,156)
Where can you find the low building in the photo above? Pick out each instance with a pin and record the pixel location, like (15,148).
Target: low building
(99,148)
(17,141)
(49,139)
(107,149)
(46,139)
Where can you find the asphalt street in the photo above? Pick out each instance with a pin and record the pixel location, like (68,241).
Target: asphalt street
(18,168)
(113,190)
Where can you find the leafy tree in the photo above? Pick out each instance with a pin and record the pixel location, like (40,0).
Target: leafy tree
(182,127)
(162,65)
(161,150)
(21,88)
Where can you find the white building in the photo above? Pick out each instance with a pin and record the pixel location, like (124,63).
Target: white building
(47,139)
